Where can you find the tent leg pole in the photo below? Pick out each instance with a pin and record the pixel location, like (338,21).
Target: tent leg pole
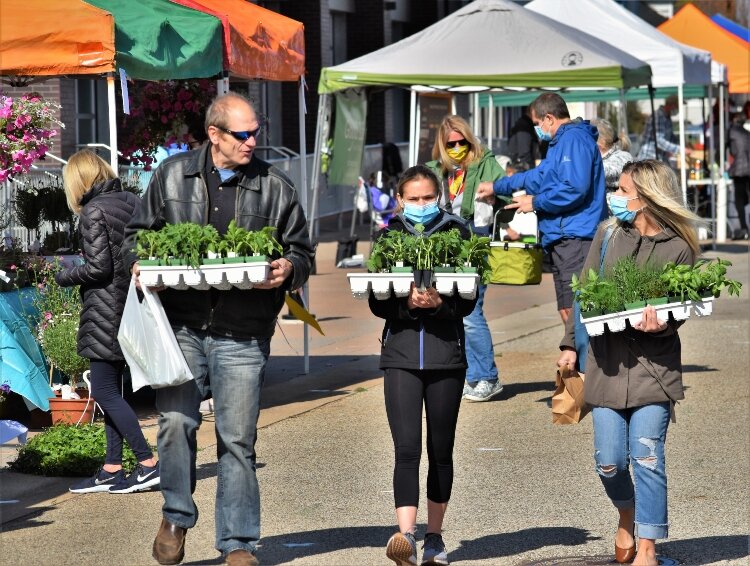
(321,132)
(623,113)
(721,204)
(303,188)
(413,128)
(112,108)
(491,122)
(683,156)
(708,127)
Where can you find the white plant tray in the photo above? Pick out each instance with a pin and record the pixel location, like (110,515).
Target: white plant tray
(615,322)
(220,276)
(383,285)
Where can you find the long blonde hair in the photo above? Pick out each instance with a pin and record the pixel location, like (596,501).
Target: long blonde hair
(659,189)
(84,170)
(453,123)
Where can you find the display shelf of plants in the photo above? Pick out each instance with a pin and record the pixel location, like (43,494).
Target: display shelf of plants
(443,259)
(617,298)
(187,255)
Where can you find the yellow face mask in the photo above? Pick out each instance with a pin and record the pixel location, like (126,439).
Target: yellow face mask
(458,153)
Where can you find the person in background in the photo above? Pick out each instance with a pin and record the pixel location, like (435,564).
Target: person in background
(94,194)
(523,144)
(739,170)
(634,377)
(566,190)
(614,152)
(425,365)
(224,335)
(460,162)
(666,141)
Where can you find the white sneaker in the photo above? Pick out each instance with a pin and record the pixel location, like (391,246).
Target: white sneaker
(484,391)
(402,549)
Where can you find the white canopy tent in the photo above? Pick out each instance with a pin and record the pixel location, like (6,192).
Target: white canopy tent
(506,46)
(673,64)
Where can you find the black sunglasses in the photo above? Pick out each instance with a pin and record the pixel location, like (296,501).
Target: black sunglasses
(241,136)
(462,143)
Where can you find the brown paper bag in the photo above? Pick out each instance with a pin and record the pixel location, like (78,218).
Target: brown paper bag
(568,406)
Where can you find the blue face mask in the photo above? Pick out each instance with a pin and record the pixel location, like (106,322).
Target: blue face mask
(542,135)
(618,206)
(421,214)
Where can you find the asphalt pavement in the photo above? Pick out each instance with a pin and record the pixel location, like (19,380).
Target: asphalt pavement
(525,491)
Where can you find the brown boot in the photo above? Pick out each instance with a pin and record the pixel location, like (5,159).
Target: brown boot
(241,557)
(169,544)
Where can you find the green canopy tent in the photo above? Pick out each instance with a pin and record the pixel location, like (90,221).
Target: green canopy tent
(509,46)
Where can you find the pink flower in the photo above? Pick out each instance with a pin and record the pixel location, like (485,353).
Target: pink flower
(48,316)
(13,267)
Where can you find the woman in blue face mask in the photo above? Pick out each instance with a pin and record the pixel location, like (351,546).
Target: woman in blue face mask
(424,364)
(633,378)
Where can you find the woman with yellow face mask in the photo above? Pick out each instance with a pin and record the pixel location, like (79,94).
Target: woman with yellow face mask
(461,163)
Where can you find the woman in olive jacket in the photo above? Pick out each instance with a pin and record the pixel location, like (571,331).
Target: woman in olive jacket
(425,365)
(634,377)
(94,193)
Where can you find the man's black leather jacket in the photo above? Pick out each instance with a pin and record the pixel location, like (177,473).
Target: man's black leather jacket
(178,193)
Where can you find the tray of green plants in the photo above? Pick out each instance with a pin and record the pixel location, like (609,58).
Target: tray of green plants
(617,298)
(188,255)
(443,260)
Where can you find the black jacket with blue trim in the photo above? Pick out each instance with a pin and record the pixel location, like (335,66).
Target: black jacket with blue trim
(424,339)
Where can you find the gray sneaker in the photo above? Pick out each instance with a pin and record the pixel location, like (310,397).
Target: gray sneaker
(468,390)
(402,549)
(434,550)
(484,391)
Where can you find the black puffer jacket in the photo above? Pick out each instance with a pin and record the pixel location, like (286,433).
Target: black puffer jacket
(104,279)
(424,339)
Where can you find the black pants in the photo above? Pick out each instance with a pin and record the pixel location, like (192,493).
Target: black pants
(741,197)
(119,419)
(405,393)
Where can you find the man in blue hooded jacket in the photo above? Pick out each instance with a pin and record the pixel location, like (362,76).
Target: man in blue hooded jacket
(566,191)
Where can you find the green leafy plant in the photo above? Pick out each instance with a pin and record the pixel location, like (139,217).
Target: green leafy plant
(67,450)
(235,239)
(59,340)
(594,292)
(636,283)
(262,242)
(703,279)
(475,253)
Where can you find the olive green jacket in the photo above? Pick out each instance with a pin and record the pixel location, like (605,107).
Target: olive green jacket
(486,168)
(622,367)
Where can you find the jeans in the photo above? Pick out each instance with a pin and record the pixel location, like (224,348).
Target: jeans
(234,370)
(634,437)
(480,354)
(119,419)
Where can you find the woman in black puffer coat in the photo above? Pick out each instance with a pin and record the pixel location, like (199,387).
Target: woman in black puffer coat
(94,193)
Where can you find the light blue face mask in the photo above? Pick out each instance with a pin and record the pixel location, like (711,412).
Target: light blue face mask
(618,206)
(423,214)
(542,135)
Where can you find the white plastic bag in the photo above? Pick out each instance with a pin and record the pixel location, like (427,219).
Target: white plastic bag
(148,343)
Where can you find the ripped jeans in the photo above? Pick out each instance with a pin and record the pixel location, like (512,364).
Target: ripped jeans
(634,436)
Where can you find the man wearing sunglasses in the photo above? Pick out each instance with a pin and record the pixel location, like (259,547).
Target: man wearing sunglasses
(224,335)
(566,191)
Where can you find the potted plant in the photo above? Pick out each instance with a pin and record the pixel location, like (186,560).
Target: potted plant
(262,244)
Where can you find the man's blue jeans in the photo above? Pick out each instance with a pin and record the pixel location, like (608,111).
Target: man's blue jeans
(480,353)
(634,437)
(233,370)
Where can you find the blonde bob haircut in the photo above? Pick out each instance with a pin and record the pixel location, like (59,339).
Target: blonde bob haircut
(659,189)
(453,123)
(84,170)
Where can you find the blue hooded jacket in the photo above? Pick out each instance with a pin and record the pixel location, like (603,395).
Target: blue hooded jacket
(568,185)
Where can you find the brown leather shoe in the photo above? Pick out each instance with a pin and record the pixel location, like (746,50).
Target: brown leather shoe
(241,557)
(624,555)
(169,544)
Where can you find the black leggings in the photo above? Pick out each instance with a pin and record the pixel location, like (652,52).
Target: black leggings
(405,392)
(119,419)
(741,197)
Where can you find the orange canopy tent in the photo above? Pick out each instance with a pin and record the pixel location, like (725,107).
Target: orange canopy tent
(85,45)
(258,43)
(693,27)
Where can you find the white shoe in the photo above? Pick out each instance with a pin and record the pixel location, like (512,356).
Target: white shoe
(484,391)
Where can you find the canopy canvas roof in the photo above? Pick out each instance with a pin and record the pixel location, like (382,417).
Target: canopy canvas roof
(693,27)
(733,27)
(258,43)
(55,37)
(500,35)
(672,63)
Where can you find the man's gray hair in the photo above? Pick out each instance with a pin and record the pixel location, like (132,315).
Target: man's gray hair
(216,115)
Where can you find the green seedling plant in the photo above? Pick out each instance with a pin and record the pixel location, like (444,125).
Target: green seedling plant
(147,244)
(682,280)
(594,293)
(447,247)
(235,240)
(475,253)
(263,242)
(713,279)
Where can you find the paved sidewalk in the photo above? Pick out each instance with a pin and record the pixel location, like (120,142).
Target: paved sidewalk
(525,491)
